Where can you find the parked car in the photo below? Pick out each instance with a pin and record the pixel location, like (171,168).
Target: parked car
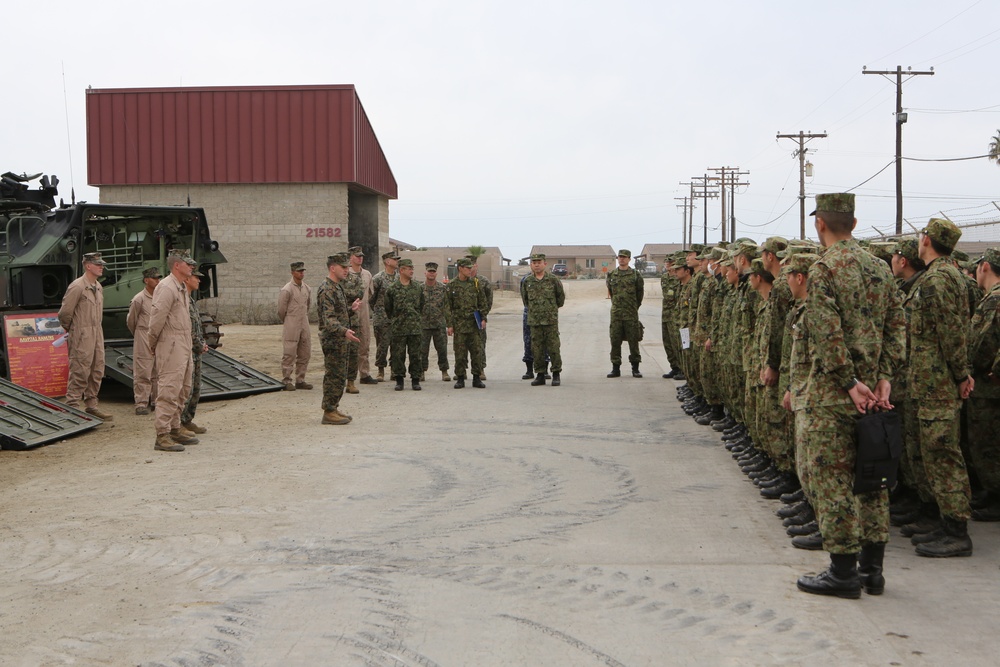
(560,270)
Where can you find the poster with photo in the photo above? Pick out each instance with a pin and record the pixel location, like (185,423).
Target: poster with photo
(37,354)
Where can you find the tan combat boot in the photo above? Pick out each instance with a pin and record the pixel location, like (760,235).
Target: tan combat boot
(289,386)
(351,389)
(445,377)
(194,428)
(164,443)
(381,374)
(303,385)
(344,414)
(335,418)
(183,436)
(100,414)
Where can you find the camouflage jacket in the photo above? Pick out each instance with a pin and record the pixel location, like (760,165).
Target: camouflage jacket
(404,304)
(853,307)
(703,317)
(376,302)
(780,302)
(984,344)
(937,350)
(543,297)
(670,288)
(724,345)
(464,298)
(746,324)
(625,288)
(487,288)
(800,356)
(197,333)
(784,376)
(435,313)
(354,288)
(333,312)
(760,341)
(683,304)
(694,288)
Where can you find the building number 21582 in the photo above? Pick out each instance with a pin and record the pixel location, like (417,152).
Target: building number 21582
(321,232)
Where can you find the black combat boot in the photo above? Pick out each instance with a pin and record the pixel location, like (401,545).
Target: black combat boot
(812,542)
(679,375)
(794,497)
(459,382)
(792,509)
(539,380)
(616,371)
(930,520)
(529,371)
(415,383)
(399,383)
(555,379)
(635,371)
(954,541)
(840,579)
(477,382)
(870,567)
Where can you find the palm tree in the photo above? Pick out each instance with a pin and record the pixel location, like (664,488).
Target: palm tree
(476,251)
(994,148)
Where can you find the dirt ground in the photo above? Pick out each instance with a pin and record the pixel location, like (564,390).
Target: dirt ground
(590,524)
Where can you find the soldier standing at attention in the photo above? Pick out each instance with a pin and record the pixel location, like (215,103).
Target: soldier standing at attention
(380,321)
(433,326)
(335,336)
(625,288)
(364,331)
(143,375)
(198,348)
(354,290)
(543,296)
(404,304)
(467,311)
(296,339)
(938,380)
(170,340)
(487,289)
(80,315)
(670,289)
(984,404)
(853,310)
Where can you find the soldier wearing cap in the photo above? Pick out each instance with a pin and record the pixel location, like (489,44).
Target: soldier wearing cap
(625,288)
(404,304)
(670,291)
(198,348)
(359,285)
(938,379)
(466,314)
(487,289)
(434,321)
(143,372)
(984,404)
(335,336)
(380,321)
(854,309)
(81,314)
(170,340)
(542,294)
(296,337)
(968,271)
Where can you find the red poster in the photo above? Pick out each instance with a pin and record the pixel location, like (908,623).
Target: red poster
(37,353)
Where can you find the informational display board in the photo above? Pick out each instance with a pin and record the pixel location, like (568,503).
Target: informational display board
(37,354)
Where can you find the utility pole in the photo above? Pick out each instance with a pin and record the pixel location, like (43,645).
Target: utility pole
(699,190)
(728,177)
(900,119)
(684,223)
(800,152)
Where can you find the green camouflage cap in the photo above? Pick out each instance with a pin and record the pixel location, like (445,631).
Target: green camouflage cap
(196,273)
(757,266)
(744,239)
(959,255)
(695,247)
(992,255)
(837,202)
(152,272)
(298,266)
(722,244)
(538,256)
(464,262)
(795,246)
(406,262)
(748,249)
(908,249)
(341,258)
(625,253)
(943,231)
(883,250)
(726,261)
(800,263)
(390,255)
(774,245)
(716,253)
(431,266)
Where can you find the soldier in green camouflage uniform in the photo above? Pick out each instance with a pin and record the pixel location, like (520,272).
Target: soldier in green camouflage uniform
(670,289)
(542,294)
(354,288)
(853,311)
(198,348)
(487,287)
(465,299)
(434,319)
(404,304)
(938,380)
(984,404)
(380,321)
(335,334)
(705,330)
(625,289)
(693,290)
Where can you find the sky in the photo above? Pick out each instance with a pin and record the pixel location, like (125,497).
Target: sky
(576,122)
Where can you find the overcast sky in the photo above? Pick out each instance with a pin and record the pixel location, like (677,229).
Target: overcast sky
(517,123)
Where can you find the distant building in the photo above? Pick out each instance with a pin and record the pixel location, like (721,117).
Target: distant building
(655,253)
(590,261)
(493,266)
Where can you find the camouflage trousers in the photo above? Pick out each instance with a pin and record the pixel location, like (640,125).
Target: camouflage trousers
(440,338)
(545,338)
(468,344)
(382,339)
(709,372)
(825,447)
(984,447)
(625,330)
(773,428)
(187,414)
(936,456)
(399,348)
(732,382)
(750,396)
(482,338)
(671,342)
(334,373)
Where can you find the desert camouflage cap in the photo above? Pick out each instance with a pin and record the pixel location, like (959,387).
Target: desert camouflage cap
(465,263)
(431,266)
(624,253)
(298,266)
(356,250)
(190,262)
(538,256)
(837,202)
(908,249)
(341,258)
(196,273)
(406,262)
(180,252)
(943,231)
(152,272)
(992,255)
(94,258)
(774,245)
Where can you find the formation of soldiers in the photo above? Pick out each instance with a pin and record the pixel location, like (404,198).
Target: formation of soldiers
(786,344)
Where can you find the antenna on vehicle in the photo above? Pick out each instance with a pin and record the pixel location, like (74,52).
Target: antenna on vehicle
(69,144)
